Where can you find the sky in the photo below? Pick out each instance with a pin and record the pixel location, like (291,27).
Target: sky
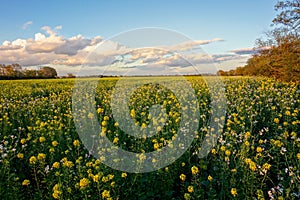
(63,34)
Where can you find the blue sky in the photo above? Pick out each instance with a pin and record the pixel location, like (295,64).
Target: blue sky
(237,22)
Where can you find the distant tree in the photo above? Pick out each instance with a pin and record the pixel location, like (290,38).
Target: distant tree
(47,72)
(9,71)
(222,73)
(70,75)
(278,54)
(30,73)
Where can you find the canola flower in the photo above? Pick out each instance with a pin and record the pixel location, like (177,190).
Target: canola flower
(38,134)
(41,156)
(32,160)
(233,191)
(190,189)
(182,177)
(56,191)
(105,194)
(195,170)
(25,182)
(83,182)
(124,175)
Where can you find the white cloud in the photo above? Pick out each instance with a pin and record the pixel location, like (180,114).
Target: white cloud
(26,25)
(39,37)
(185,46)
(48,47)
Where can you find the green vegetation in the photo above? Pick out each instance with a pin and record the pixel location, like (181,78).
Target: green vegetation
(257,155)
(278,56)
(15,71)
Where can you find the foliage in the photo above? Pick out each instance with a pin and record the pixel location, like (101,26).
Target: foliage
(279,55)
(15,71)
(256,157)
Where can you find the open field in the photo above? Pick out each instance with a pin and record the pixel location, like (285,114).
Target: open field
(257,155)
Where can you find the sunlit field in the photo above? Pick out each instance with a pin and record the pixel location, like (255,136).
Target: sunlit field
(257,155)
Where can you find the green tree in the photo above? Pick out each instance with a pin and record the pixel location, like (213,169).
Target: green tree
(279,52)
(47,72)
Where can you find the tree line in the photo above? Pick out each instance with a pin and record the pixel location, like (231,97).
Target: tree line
(15,71)
(278,53)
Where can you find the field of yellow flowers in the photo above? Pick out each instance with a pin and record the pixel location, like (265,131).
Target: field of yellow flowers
(257,155)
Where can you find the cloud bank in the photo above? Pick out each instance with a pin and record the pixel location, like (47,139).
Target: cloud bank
(50,48)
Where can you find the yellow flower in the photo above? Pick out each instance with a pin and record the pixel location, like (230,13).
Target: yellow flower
(182,177)
(252,166)
(223,148)
(144,125)
(104,179)
(56,165)
(55,195)
(132,113)
(96,178)
(156,146)
(42,139)
(182,164)
(298,156)
(105,194)
(266,166)
(227,153)
(54,143)
(210,178)
(100,110)
(190,189)
(233,170)
(248,160)
(56,191)
(112,184)
(259,149)
(41,156)
(91,115)
(187,196)
(83,182)
(103,123)
(247,134)
(276,120)
(233,192)
(195,170)
(247,143)
(76,143)
(32,160)
(110,176)
(116,140)
(25,182)
(213,151)
(23,140)
(67,163)
(51,150)
(273,107)
(106,118)
(20,155)
(124,175)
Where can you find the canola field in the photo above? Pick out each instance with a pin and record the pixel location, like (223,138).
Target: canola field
(256,156)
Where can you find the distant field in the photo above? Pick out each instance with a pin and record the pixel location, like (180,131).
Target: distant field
(257,155)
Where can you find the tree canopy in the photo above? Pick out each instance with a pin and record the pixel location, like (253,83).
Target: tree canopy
(279,54)
(15,71)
